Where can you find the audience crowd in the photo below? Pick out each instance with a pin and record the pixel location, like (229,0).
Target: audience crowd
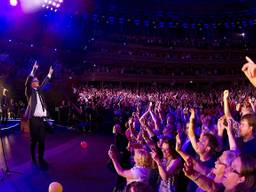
(182,140)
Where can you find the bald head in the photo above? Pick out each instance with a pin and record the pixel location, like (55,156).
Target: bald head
(55,187)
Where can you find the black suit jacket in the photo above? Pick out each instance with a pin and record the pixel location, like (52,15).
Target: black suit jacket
(30,94)
(5,102)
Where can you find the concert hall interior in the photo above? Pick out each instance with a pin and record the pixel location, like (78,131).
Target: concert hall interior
(125,95)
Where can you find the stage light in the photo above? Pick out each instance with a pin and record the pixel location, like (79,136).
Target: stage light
(30,6)
(52,5)
(13,3)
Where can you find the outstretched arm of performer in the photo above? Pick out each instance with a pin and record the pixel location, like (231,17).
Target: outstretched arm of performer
(46,79)
(50,72)
(29,79)
(35,67)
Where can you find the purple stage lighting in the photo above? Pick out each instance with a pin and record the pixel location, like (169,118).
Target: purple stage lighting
(13,3)
(52,5)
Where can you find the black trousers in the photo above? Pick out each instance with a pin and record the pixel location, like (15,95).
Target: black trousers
(37,136)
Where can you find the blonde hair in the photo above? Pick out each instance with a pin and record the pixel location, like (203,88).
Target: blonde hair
(142,158)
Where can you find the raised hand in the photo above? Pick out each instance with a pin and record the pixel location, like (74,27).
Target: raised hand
(112,153)
(35,66)
(50,71)
(228,126)
(249,70)
(238,107)
(220,124)
(150,107)
(188,168)
(225,94)
(155,157)
(159,108)
(192,114)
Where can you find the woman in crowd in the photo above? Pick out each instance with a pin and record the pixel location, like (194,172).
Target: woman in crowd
(210,180)
(240,175)
(140,172)
(169,167)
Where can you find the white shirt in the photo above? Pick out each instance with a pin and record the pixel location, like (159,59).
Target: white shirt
(39,112)
(140,174)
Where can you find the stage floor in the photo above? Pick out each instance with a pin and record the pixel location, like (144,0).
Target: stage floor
(77,169)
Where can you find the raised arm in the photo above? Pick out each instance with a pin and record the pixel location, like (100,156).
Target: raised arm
(145,114)
(226,104)
(34,68)
(249,70)
(165,172)
(202,181)
(231,139)
(29,79)
(160,111)
(46,79)
(251,101)
(120,171)
(50,72)
(191,133)
(185,156)
(153,116)
(220,127)
(32,73)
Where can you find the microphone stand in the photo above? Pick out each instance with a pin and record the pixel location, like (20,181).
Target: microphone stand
(6,171)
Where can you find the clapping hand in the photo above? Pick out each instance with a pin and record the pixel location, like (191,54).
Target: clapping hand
(155,156)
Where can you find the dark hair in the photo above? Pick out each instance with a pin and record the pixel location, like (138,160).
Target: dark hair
(171,143)
(251,119)
(212,143)
(138,186)
(248,170)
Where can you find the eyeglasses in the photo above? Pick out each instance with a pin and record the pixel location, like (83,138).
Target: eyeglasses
(231,169)
(235,171)
(221,163)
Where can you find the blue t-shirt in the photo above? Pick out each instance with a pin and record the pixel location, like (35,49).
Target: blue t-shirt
(248,147)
